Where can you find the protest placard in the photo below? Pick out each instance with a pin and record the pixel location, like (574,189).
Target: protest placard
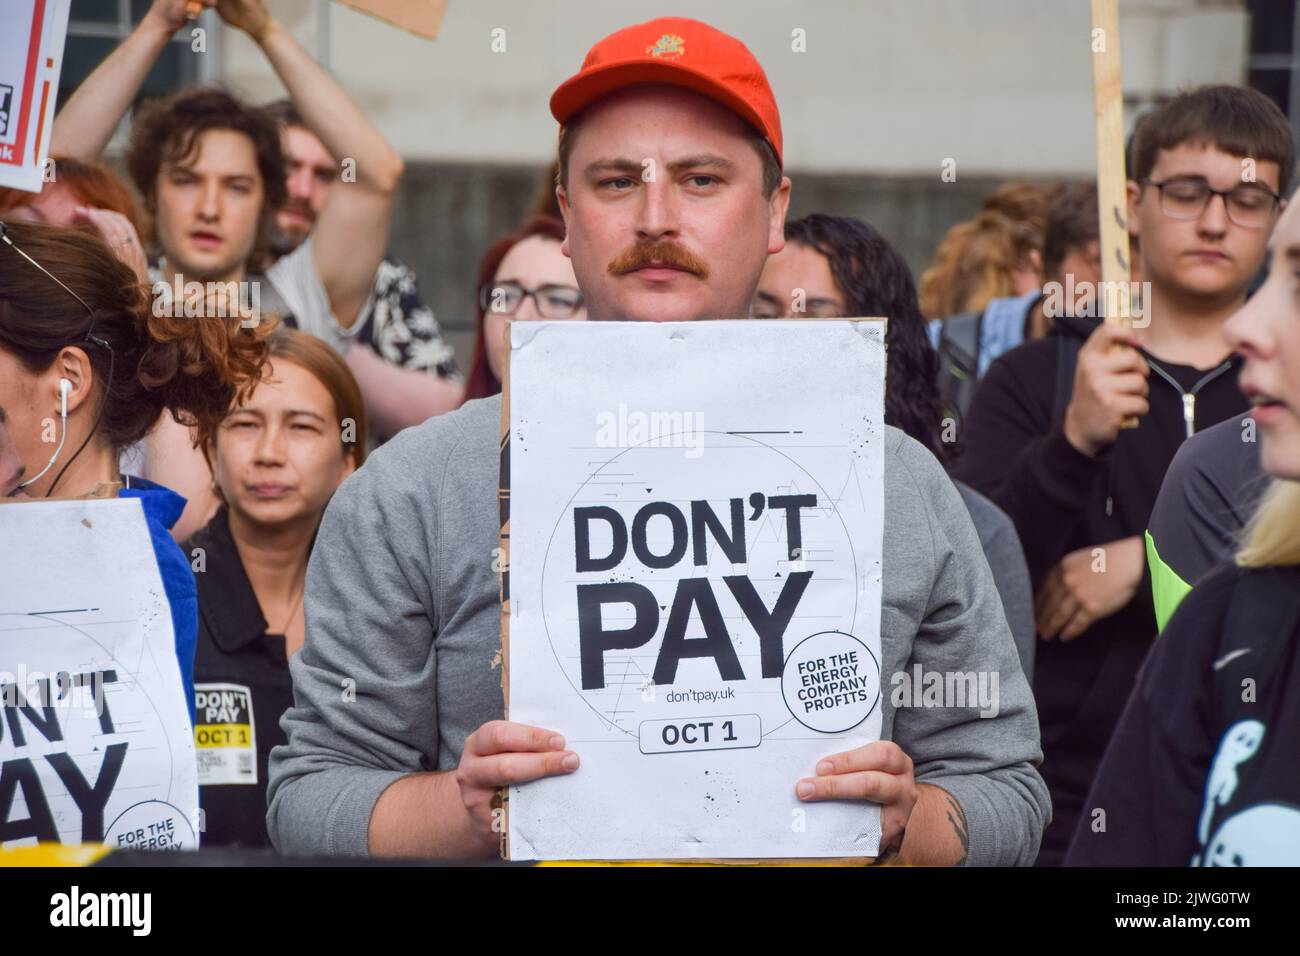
(31,55)
(693,513)
(421,17)
(95,741)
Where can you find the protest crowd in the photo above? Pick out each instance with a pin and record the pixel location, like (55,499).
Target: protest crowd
(1105,515)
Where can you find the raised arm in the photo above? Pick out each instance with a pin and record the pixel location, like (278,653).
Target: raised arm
(86,123)
(350,236)
(397,397)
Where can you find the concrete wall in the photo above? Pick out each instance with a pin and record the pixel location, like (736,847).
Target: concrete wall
(882,86)
(885,91)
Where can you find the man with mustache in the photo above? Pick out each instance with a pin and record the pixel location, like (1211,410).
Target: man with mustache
(671,187)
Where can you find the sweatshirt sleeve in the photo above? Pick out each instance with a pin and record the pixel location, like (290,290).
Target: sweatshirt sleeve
(983,754)
(1016,455)
(364,709)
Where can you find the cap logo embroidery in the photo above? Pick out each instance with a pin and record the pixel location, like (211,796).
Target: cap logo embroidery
(669,45)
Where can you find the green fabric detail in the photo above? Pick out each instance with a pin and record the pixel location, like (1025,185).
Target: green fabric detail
(1167,588)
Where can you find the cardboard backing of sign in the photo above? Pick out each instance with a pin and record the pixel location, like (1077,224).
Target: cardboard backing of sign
(421,17)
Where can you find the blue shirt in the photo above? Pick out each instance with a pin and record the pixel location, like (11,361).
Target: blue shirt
(162,507)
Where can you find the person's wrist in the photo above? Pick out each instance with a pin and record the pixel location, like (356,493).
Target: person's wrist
(156,25)
(261,30)
(1075,436)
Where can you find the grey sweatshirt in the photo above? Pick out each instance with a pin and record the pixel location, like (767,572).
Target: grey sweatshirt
(1001,544)
(402,654)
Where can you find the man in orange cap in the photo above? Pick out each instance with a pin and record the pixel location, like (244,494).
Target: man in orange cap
(671,186)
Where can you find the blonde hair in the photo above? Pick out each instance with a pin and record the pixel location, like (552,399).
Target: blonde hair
(1273,535)
(975,263)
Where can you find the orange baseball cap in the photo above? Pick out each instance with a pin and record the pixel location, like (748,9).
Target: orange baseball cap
(679,52)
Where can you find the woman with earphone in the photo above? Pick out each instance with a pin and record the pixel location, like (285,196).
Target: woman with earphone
(87,368)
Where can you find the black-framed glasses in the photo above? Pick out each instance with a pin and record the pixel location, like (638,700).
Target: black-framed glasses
(1249,205)
(552,301)
(89,334)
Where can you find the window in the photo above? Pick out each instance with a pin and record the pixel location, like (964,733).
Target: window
(1273,67)
(96,27)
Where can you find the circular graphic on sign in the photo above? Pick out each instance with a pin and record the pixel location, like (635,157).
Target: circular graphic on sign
(831,682)
(681,558)
(151,825)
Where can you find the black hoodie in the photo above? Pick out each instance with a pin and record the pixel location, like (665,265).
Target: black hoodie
(1016,453)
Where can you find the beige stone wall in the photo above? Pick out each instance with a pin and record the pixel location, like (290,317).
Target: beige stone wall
(885,86)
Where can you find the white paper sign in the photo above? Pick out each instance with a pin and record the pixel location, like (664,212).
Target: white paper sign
(695,532)
(32,33)
(95,737)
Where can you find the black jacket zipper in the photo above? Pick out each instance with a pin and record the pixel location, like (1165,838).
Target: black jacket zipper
(1189,396)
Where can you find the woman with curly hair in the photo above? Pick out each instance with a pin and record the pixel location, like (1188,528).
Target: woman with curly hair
(833,266)
(80,345)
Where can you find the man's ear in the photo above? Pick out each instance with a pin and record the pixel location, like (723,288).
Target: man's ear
(349,466)
(777,207)
(562,199)
(1134,197)
(73,364)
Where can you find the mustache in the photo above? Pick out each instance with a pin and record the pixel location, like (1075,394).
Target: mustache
(661,253)
(301,208)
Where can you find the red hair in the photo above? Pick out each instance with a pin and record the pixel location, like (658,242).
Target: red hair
(92,183)
(480,383)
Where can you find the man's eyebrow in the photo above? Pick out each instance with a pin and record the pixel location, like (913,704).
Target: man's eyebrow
(308,412)
(704,160)
(612,164)
(768,297)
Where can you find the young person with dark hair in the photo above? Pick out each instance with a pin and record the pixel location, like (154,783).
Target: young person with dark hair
(835,267)
(1202,767)
(403,596)
(1045,436)
(277,457)
(80,345)
(523,275)
(212,174)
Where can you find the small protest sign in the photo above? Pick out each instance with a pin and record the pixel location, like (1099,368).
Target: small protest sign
(95,737)
(31,56)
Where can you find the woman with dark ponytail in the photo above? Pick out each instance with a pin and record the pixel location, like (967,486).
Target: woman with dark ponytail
(86,370)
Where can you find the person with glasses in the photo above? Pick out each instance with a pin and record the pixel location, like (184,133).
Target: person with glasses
(1198,772)
(1046,436)
(81,349)
(522,276)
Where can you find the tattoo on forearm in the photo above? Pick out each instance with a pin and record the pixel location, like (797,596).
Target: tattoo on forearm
(957,817)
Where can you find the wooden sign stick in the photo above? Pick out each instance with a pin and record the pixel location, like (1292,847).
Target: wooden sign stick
(1112,178)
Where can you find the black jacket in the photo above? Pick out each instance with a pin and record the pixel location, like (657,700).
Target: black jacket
(1198,772)
(242,687)
(1016,453)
